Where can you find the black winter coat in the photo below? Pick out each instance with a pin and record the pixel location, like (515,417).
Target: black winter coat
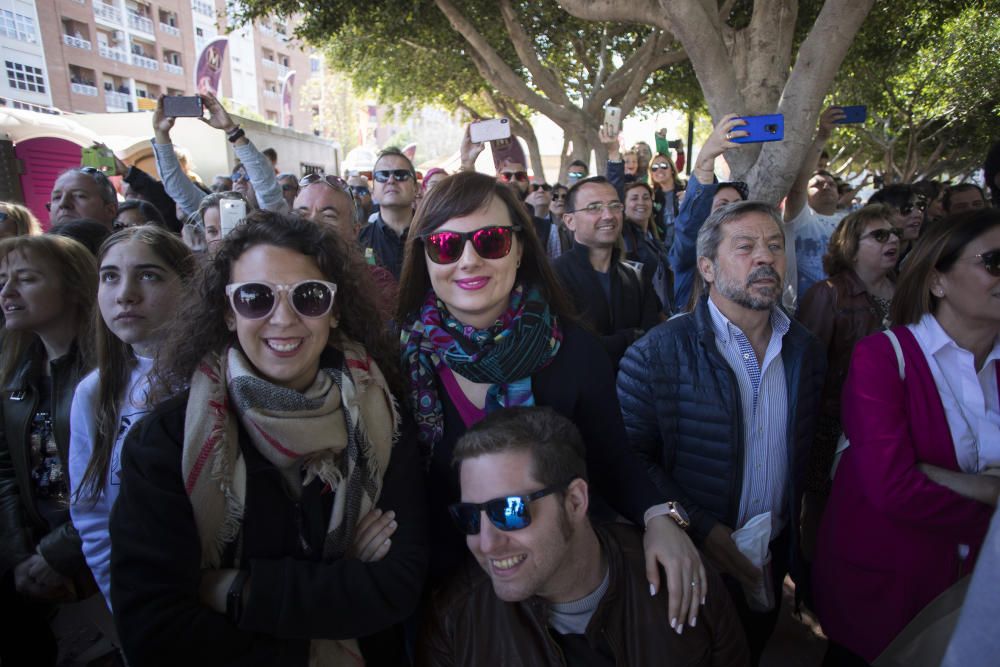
(634,307)
(293,594)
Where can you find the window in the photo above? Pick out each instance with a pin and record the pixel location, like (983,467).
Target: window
(313,64)
(25,77)
(17,26)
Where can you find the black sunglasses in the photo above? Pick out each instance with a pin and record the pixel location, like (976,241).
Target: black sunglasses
(558,196)
(506,513)
(991,261)
(257,300)
(382,175)
(535,187)
(493,242)
(882,235)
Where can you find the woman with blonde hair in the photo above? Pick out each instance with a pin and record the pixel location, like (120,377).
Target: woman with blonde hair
(17,220)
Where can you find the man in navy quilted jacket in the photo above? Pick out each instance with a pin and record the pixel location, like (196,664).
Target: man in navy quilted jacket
(721,404)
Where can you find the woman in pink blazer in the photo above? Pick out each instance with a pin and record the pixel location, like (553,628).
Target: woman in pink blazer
(914,493)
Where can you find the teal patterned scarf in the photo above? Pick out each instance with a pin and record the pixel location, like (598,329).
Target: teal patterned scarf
(524,339)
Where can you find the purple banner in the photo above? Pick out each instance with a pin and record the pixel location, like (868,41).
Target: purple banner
(286,99)
(209,70)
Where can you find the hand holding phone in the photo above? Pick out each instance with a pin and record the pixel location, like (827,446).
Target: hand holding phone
(769,127)
(178,106)
(489,130)
(612,120)
(98,158)
(853,114)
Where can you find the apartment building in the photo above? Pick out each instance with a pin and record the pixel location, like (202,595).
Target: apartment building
(79,56)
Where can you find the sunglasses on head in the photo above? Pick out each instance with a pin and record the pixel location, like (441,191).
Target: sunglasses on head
(493,242)
(882,235)
(991,261)
(506,513)
(535,187)
(331,180)
(256,300)
(382,175)
(508,176)
(659,165)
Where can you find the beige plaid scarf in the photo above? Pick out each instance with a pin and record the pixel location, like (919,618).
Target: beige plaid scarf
(339,430)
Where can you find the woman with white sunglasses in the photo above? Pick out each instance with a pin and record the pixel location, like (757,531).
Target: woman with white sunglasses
(269,513)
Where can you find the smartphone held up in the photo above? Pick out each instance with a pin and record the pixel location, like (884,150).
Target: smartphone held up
(493,129)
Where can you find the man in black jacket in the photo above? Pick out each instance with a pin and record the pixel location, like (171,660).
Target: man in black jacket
(610,294)
(551,588)
(722,402)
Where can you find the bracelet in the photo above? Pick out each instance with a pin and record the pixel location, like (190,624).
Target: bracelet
(236,128)
(236,135)
(234,597)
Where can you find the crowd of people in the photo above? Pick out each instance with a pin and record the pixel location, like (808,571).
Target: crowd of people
(483,419)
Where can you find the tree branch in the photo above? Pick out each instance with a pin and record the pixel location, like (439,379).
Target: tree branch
(543,77)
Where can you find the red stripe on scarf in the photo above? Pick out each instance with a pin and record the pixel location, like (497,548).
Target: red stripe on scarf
(364,365)
(274,443)
(209,371)
(206,449)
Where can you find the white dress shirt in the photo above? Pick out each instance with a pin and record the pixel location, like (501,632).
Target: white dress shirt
(971,400)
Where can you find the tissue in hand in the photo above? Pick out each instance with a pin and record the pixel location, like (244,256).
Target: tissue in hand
(752,540)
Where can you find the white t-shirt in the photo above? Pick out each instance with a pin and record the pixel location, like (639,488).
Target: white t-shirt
(91,517)
(811,233)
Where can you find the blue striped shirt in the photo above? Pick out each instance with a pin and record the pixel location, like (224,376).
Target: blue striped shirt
(764,405)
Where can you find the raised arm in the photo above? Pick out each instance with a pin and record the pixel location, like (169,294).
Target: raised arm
(176,183)
(799,192)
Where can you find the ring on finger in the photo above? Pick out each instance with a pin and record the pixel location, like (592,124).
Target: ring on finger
(729,136)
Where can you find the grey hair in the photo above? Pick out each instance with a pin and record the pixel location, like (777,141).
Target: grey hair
(104,186)
(710,234)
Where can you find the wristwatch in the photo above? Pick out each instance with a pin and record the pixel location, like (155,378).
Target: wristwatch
(670,509)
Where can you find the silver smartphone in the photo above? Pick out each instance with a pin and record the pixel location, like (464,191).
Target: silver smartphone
(231,213)
(612,121)
(489,130)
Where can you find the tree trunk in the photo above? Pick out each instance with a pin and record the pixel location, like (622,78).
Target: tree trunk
(745,71)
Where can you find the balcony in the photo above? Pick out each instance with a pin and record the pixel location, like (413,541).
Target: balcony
(169,29)
(76,42)
(117,101)
(107,13)
(112,53)
(140,23)
(203,8)
(170,68)
(269,64)
(282,70)
(270,94)
(144,62)
(83,89)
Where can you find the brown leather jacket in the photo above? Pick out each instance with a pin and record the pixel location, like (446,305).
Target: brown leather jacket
(470,625)
(22,528)
(840,312)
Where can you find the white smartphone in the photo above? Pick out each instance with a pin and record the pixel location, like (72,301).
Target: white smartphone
(612,121)
(231,213)
(489,130)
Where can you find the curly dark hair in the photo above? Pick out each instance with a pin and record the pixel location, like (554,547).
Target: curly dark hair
(200,326)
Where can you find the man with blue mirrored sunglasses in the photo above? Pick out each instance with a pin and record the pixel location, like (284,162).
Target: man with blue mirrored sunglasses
(551,588)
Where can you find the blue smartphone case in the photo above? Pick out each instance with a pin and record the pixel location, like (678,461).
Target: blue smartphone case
(854,114)
(770,127)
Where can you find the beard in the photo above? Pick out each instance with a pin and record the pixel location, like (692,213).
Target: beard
(741,294)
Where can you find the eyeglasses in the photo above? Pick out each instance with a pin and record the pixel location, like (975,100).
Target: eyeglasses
(882,235)
(360,191)
(659,165)
(575,175)
(382,175)
(493,242)
(596,207)
(535,187)
(256,300)
(558,196)
(334,181)
(991,261)
(906,208)
(506,513)
(508,176)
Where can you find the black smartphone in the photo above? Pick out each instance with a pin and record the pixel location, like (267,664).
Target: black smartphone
(854,114)
(177,106)
(675,144)
(770,127)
